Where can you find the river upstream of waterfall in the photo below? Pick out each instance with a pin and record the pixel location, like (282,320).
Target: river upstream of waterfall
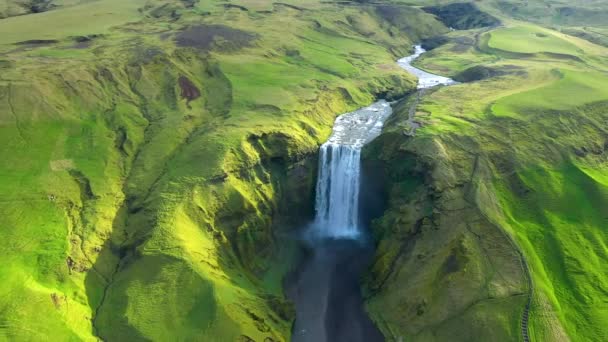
(325,287)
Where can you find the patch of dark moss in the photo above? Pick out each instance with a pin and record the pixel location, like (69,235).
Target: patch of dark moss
(517,186)
(165,35)
(189,3)
(214,37)
(434,42)
(87,38)
(283,308)
(239,7)
(393,13)
(266,109)
(218,92)
(169,11)
(38,6)
(587,35)
(36,42)
(579,16)
(4,64)
(147,55)
(480,72)
(294,7)
(86,192)
(83,42)
(456,260)
(462,16)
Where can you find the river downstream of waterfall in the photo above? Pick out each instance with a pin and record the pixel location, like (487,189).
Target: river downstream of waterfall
(325,287)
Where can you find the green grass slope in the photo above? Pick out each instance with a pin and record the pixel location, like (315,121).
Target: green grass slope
(154,152)
(522,151)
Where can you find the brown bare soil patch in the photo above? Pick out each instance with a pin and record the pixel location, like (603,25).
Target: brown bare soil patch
(189,90)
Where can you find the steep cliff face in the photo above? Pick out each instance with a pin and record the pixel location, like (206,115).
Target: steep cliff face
(443,269)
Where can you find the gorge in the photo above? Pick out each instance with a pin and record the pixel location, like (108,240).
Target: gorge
(326,290)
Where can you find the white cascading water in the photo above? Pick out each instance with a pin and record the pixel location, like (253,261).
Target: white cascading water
(339,177)
(337,199)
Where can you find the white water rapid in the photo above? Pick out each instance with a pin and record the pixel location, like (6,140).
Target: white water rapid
(425,79)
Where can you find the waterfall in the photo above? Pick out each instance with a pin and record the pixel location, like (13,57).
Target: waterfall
(337,201)
(339,175)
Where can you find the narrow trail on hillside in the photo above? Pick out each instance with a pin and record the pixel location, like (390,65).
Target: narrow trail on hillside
(526,315)
(412,113)
(426,80)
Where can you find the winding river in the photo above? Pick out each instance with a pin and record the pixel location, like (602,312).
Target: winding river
(325,287)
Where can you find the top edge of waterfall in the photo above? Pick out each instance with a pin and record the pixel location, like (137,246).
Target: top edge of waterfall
(355,129)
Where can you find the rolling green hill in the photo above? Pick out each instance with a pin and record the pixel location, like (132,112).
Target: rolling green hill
(156,154)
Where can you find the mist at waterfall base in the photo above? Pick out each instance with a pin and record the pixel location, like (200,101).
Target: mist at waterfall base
(325,287)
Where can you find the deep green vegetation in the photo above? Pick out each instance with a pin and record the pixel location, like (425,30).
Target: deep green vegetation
(155,153)
(520,150)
